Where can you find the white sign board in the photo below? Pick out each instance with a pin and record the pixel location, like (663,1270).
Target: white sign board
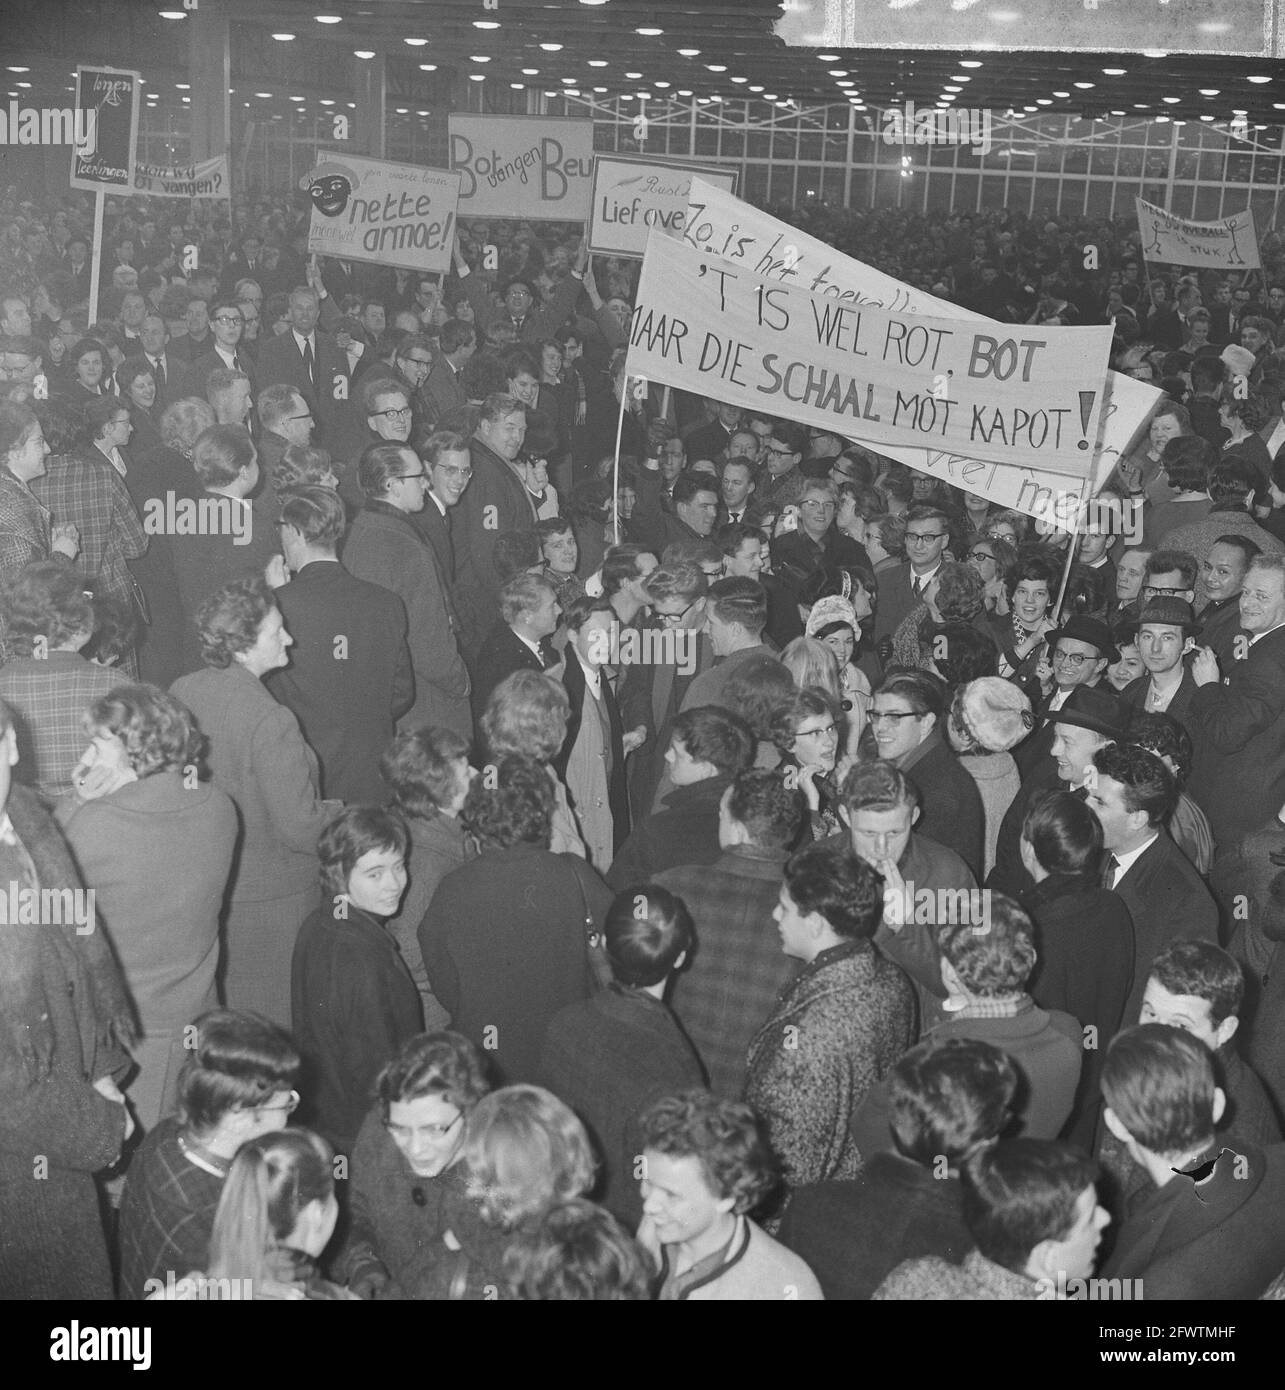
(1229,244)
(633,195)
(207,178)
(529,167)
(375,210)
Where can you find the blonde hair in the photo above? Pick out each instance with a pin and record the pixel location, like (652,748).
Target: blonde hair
(811,662)
(525,1150)
(271,1180)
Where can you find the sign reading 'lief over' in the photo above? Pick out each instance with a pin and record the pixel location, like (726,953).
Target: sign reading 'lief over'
(530,167)
(632,195)
(1010,393)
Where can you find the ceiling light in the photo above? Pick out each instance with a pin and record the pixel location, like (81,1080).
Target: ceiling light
(1209,91)
(1083,86)
(300,99)
(716,67)
(1278,106)
(1118,113)
(1162,120)
(756,89)
(17,69)
(1062,94)
(183,86)
(633,76)
(428,67)
(530,72)
(970,62)
(265,95)
(1258,79)
(960,77)
(415,43)
(838,72)
(572,92)
(685,92)
(1154,53)
(478,58)
(1044,101)
(284,38)
(1171,101)
(649,33)
(769,96)
(593,2)
(327,101)
(517,86)
(734,79)
(689,52)
(552,47)
(172,14)
(828,57)
(328,18)
(1210,118)
(597,62)
(596,89)
(662,84)
(952,89)
(486,24)
(477,77)
(847,82)
(570,81)
(363,53)
(1114,72)
(402,111)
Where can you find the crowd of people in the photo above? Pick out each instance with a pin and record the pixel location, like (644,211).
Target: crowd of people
(442,861)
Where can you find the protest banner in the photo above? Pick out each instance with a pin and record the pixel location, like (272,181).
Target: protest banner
(530,167)
(630,195)
(207,178)
(1010,396)
(375,210)
(111,95)
(734,230)
(1229,243)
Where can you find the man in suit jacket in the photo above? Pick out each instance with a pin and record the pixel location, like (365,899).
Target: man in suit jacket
(496,500)
(350,674)
(901,588)
(529,323)
(450,469)
(227,324)
(385,548)
(736,613)
(816,541)
(529,612)
(689,515)
(1166,634)
(174,379)
(444,392)
(311,362)
(1239,773)
(1133,794)
(234,535)
(709,440)
(1213,1224)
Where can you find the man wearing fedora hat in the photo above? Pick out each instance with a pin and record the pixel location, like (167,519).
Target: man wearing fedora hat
(1079,653)
(1090,719)
(1167,630)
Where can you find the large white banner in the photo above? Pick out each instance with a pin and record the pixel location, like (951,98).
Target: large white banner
(376,210)
(1012,396)
(632,195)
(1229,243)
(532,167)
(736,231)
(207,178)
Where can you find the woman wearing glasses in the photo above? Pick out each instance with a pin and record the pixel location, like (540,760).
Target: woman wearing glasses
(237,1083)
(353,1002)
(407,1159)
(809,732)
(992,558)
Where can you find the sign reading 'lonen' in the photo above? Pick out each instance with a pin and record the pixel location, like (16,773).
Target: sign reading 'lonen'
(1010,393)
(109,98)
(533,167)
(376,210)
(632,195)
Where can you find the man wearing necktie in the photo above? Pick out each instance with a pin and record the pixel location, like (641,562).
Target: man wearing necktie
(227,324)
(310,361)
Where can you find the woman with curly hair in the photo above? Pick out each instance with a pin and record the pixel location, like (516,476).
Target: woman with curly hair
(537,912)
(1031,585)
(525,1152)
(257,755)
(136,804)
(137,390)
(1244,419)
(956,595)
(808,731)
(706,1165)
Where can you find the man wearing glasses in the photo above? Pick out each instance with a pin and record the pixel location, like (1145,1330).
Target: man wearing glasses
(1079,653)
(227,325)
(388,411)
(782,453)
(818,541)
(901,589)
(284,419)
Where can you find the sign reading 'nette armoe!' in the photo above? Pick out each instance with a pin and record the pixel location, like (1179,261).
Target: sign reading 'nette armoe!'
(111,94)
(376,210)
(632,195)
(537,168)
(1010,393)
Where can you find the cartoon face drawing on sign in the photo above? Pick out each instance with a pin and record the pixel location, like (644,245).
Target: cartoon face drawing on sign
(329,185)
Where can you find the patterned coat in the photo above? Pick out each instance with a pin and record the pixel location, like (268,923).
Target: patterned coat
(836,1030)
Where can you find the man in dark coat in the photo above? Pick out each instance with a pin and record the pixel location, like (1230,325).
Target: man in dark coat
(901,588)
(350,676)
(1213,1225)
(312,362)
(1167,630)
(689,515)
(739,969)
(384,548)
(816,541)
(495,500)
(1133,794)
(529,612)
(708,748)
(614,1054)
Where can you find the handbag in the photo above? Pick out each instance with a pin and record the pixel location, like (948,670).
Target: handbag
(595,942)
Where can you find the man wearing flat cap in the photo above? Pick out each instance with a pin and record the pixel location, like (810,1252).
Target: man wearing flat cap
(1167,629)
